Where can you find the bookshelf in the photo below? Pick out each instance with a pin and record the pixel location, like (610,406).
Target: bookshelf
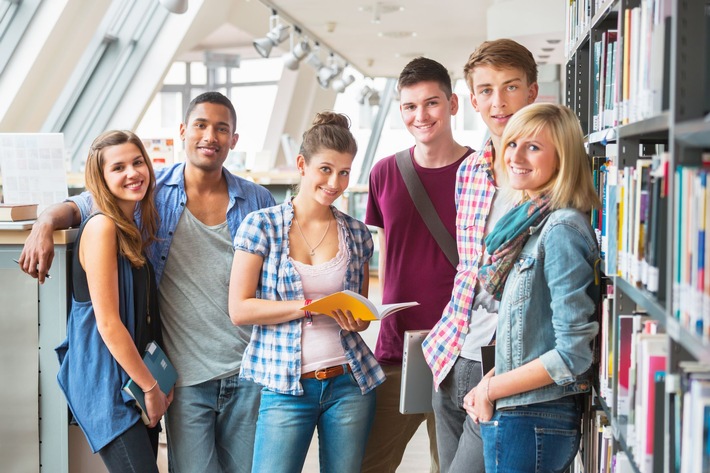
(638,78)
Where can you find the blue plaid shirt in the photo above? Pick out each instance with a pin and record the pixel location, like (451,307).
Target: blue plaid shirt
(273,356)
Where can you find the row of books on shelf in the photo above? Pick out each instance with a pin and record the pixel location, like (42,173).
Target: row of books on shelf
(604,89)
(632,227)
(578,20)
(638,372)
(632,219)
(604,458)
(630,77)
(641,209)
(644,59)
(691,280)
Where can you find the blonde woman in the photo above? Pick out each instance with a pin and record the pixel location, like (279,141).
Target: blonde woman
(114,312)
(316,371)
(543,267)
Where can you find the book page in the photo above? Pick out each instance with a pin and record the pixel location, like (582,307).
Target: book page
(32,166)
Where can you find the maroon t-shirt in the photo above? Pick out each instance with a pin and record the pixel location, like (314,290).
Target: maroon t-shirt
(415,268)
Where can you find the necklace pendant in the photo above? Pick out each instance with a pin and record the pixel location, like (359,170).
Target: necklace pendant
(313,252)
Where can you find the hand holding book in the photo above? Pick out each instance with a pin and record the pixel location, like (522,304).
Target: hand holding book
(164,373)
(360,306)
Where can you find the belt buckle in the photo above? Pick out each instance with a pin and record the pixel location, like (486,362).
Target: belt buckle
(325,373)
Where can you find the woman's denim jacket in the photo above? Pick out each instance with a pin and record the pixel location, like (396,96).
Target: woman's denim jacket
(547,309)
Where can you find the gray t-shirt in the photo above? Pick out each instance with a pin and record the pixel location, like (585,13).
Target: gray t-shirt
(199,337)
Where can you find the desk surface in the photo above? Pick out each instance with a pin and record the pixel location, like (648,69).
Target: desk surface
(18,237)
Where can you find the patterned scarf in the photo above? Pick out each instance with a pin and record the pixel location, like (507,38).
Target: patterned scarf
(506,241)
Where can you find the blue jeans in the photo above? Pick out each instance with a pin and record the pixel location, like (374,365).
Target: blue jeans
(540,437)
(211,425)
(458,438)
(342,414)
(134,451)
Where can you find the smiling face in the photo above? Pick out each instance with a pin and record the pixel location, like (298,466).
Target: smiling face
(126,174)
(498,94)
(532,162)
(208,136)
(325,176)
(427,112)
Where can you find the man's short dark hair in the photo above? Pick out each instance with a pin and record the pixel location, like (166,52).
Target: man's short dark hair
(423,69)
(212,97)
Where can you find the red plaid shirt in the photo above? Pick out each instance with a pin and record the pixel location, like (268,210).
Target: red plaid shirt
(475,189)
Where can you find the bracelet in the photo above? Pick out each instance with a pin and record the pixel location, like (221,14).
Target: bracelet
(145,391)
(488,384)
(309,315)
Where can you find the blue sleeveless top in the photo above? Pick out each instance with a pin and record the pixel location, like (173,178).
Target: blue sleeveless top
(89,376)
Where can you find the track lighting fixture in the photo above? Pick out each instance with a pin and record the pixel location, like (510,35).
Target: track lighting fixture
(327,73)
(369,95)
(339,84)
(374,99)
(278,33)
(364,93)
(298,52)
(175,6)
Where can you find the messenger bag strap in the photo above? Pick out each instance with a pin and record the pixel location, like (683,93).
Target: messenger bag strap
(426,209)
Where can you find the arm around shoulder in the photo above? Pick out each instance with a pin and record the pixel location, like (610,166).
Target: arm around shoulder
(38,251)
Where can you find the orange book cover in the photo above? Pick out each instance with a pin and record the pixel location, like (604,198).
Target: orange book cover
(360,306)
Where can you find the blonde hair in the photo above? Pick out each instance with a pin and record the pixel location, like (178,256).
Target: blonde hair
(572,185)
(132,241)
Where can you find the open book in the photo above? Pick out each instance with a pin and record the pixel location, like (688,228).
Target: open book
(360,306)
(162,370)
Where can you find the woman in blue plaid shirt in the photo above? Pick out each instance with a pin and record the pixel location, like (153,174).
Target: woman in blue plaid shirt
(316,369)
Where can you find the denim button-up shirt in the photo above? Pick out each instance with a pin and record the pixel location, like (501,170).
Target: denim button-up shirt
(547,310)
(170,201)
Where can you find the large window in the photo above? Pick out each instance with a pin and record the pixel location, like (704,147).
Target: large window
(251,87)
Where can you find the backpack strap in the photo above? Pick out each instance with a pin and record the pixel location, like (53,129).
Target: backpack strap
(424,206)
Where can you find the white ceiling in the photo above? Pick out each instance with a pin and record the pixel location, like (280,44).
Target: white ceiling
(445,30)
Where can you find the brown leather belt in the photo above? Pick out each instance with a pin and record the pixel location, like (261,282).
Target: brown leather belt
(327,373)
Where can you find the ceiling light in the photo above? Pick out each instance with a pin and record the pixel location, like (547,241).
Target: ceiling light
(326,74)
(364,93)
(548,50)
(553,41)
(294,57)
(276,35)
(329,72)
(175,6)
(369,95)
(313,60)
(397,34)
(379,9)
(341,83)
(374,99)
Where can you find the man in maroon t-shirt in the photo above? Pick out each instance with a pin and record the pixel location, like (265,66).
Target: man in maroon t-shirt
(412,265)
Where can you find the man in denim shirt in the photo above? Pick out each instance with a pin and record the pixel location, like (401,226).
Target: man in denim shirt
(212,418)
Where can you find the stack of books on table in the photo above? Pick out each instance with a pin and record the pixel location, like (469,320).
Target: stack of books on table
(17,216)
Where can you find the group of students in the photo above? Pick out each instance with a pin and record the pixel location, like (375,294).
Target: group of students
(257,374)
